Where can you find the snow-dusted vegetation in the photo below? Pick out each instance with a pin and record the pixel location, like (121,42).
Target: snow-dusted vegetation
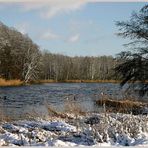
(89,130)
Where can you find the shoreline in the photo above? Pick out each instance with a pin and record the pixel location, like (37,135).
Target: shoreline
(78,81)
(6,83)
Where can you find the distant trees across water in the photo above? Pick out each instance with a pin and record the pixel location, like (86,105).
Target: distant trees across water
(60,67)
(21,58)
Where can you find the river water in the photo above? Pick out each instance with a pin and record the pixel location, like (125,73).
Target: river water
(17,101)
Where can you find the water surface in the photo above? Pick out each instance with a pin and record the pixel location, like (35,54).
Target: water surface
(22,99)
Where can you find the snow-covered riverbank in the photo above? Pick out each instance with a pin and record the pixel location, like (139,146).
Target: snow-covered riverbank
(91,130)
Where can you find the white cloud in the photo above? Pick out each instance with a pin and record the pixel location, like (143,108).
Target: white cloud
(61,7)
(22,27)
(74,38)
(50,8)
(49,35)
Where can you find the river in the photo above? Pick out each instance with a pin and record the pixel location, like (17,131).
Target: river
(17,101)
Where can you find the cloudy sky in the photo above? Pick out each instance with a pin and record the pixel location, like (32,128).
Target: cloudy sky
(82,27)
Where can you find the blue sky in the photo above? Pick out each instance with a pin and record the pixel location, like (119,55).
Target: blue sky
(71,27)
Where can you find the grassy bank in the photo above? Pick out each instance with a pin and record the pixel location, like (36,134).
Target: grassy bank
(78,81)
(4,82)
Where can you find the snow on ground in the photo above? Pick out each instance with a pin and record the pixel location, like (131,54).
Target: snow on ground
(90,130)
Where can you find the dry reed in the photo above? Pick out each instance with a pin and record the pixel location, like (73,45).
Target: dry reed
(4,82)
(73,107)
(124,106)
(77,81)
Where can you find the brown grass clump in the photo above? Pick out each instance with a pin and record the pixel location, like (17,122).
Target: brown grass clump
(4,117)
(73,108)
(124,106)
(4,82)
(31,115)
(52,111)
(55,114)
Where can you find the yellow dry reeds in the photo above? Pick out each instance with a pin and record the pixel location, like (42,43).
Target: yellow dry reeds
(77,81)
(73,108)
(4,82)
(55,114)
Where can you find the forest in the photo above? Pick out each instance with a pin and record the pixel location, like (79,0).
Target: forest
(22,59)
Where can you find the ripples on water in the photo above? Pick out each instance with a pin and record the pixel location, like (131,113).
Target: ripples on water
(22,99)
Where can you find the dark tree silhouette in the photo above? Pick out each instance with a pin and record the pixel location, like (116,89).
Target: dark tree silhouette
(133,66)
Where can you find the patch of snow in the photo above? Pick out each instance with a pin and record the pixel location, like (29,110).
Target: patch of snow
(111,130)
(58,126)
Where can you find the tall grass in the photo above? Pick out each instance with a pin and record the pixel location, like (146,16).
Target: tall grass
(122,106)
(4,82)
(3,116)
(73,107)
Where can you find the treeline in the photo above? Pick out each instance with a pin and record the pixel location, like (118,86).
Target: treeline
(21,58)
(60,67)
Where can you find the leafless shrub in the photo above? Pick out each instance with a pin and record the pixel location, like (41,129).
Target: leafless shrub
(3,116)
(73,107)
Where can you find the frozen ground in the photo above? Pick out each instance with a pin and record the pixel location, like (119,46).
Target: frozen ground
(90,130)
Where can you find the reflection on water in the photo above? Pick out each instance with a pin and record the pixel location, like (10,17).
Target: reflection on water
(20,100)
